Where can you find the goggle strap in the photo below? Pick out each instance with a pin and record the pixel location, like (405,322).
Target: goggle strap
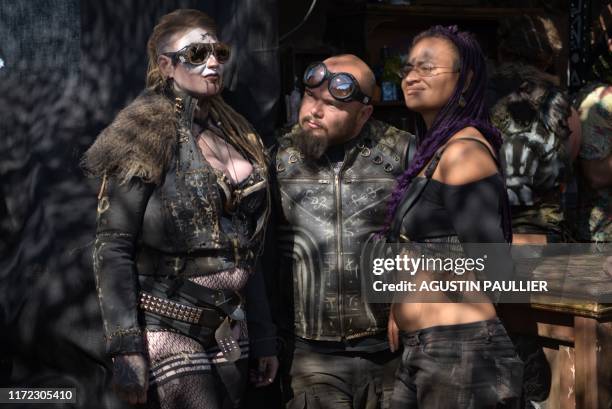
(356,95)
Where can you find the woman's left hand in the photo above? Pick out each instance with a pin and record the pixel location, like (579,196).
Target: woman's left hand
(264,375)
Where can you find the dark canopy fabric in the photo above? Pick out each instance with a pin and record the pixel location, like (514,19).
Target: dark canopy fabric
(69,66)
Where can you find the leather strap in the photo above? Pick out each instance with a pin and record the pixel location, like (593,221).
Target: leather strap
(408,202)
(206,311)
(405,206)
(412,148)
(493,156)
(151,262)
(226,301)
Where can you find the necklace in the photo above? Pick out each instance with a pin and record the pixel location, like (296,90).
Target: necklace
(217,155)
(231,161)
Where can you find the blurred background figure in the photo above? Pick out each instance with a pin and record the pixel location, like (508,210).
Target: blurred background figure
(531,111)
(594,104)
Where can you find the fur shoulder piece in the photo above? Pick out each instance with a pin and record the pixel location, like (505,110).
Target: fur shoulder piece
(138,143)
(386,134)
(391,140)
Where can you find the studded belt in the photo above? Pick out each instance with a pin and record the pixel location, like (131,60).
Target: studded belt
(219,324)
(171,309)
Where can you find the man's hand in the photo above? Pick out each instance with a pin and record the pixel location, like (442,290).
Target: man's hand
(265,373)
(131,377)
(392,331)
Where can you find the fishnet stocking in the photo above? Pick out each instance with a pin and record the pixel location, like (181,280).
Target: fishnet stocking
(234,279)
(192,390)
(162,344)
(196,391)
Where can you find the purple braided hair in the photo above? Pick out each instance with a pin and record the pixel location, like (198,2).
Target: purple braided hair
(453,118)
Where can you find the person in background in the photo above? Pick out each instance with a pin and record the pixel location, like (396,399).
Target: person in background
(531,111)
(533,115)
(594,104)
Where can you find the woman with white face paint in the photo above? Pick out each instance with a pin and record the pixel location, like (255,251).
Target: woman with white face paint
(182,211)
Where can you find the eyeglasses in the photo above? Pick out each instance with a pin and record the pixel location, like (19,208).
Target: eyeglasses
(343,86)
(199,53)
(423,70)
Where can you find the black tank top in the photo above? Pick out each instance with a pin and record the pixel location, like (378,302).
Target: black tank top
(473,212)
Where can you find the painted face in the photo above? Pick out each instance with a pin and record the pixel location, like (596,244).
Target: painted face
(432,76)
(203,80)
(324,117)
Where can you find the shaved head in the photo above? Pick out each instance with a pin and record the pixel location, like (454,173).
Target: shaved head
(355,66)
(327,121)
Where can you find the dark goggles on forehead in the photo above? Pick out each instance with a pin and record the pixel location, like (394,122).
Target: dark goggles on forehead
(199,53)
(341,85)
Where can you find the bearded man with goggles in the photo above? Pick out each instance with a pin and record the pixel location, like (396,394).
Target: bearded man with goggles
(334,173)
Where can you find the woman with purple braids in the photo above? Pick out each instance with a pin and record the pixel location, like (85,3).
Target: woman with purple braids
(456,354)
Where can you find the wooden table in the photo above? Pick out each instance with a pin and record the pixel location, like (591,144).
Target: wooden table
(576,335)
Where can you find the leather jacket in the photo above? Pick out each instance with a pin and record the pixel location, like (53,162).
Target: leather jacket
(326,213)
(162,211)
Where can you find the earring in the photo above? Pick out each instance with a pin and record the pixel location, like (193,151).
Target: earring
(462,101)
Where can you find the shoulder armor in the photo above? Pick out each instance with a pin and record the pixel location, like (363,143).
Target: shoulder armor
(287,153)
(395,143)
(138,143)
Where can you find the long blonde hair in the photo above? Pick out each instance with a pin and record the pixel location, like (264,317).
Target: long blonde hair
(237,129)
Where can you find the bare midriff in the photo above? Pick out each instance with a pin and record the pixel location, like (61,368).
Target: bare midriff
(416,316)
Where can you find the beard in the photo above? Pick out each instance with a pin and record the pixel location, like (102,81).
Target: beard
(309,145)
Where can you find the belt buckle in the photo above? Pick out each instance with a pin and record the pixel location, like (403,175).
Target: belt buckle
(178,265)
(238,313)
(202,323)
(413,340)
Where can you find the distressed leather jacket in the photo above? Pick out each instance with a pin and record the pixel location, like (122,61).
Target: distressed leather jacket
(326,213)
(162,211)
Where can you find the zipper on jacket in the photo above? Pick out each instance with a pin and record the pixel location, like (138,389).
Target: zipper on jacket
(339,249)
(340,256)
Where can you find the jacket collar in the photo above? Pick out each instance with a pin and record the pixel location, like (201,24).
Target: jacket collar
(184,107)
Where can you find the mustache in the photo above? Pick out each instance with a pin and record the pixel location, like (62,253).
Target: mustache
(309,118)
